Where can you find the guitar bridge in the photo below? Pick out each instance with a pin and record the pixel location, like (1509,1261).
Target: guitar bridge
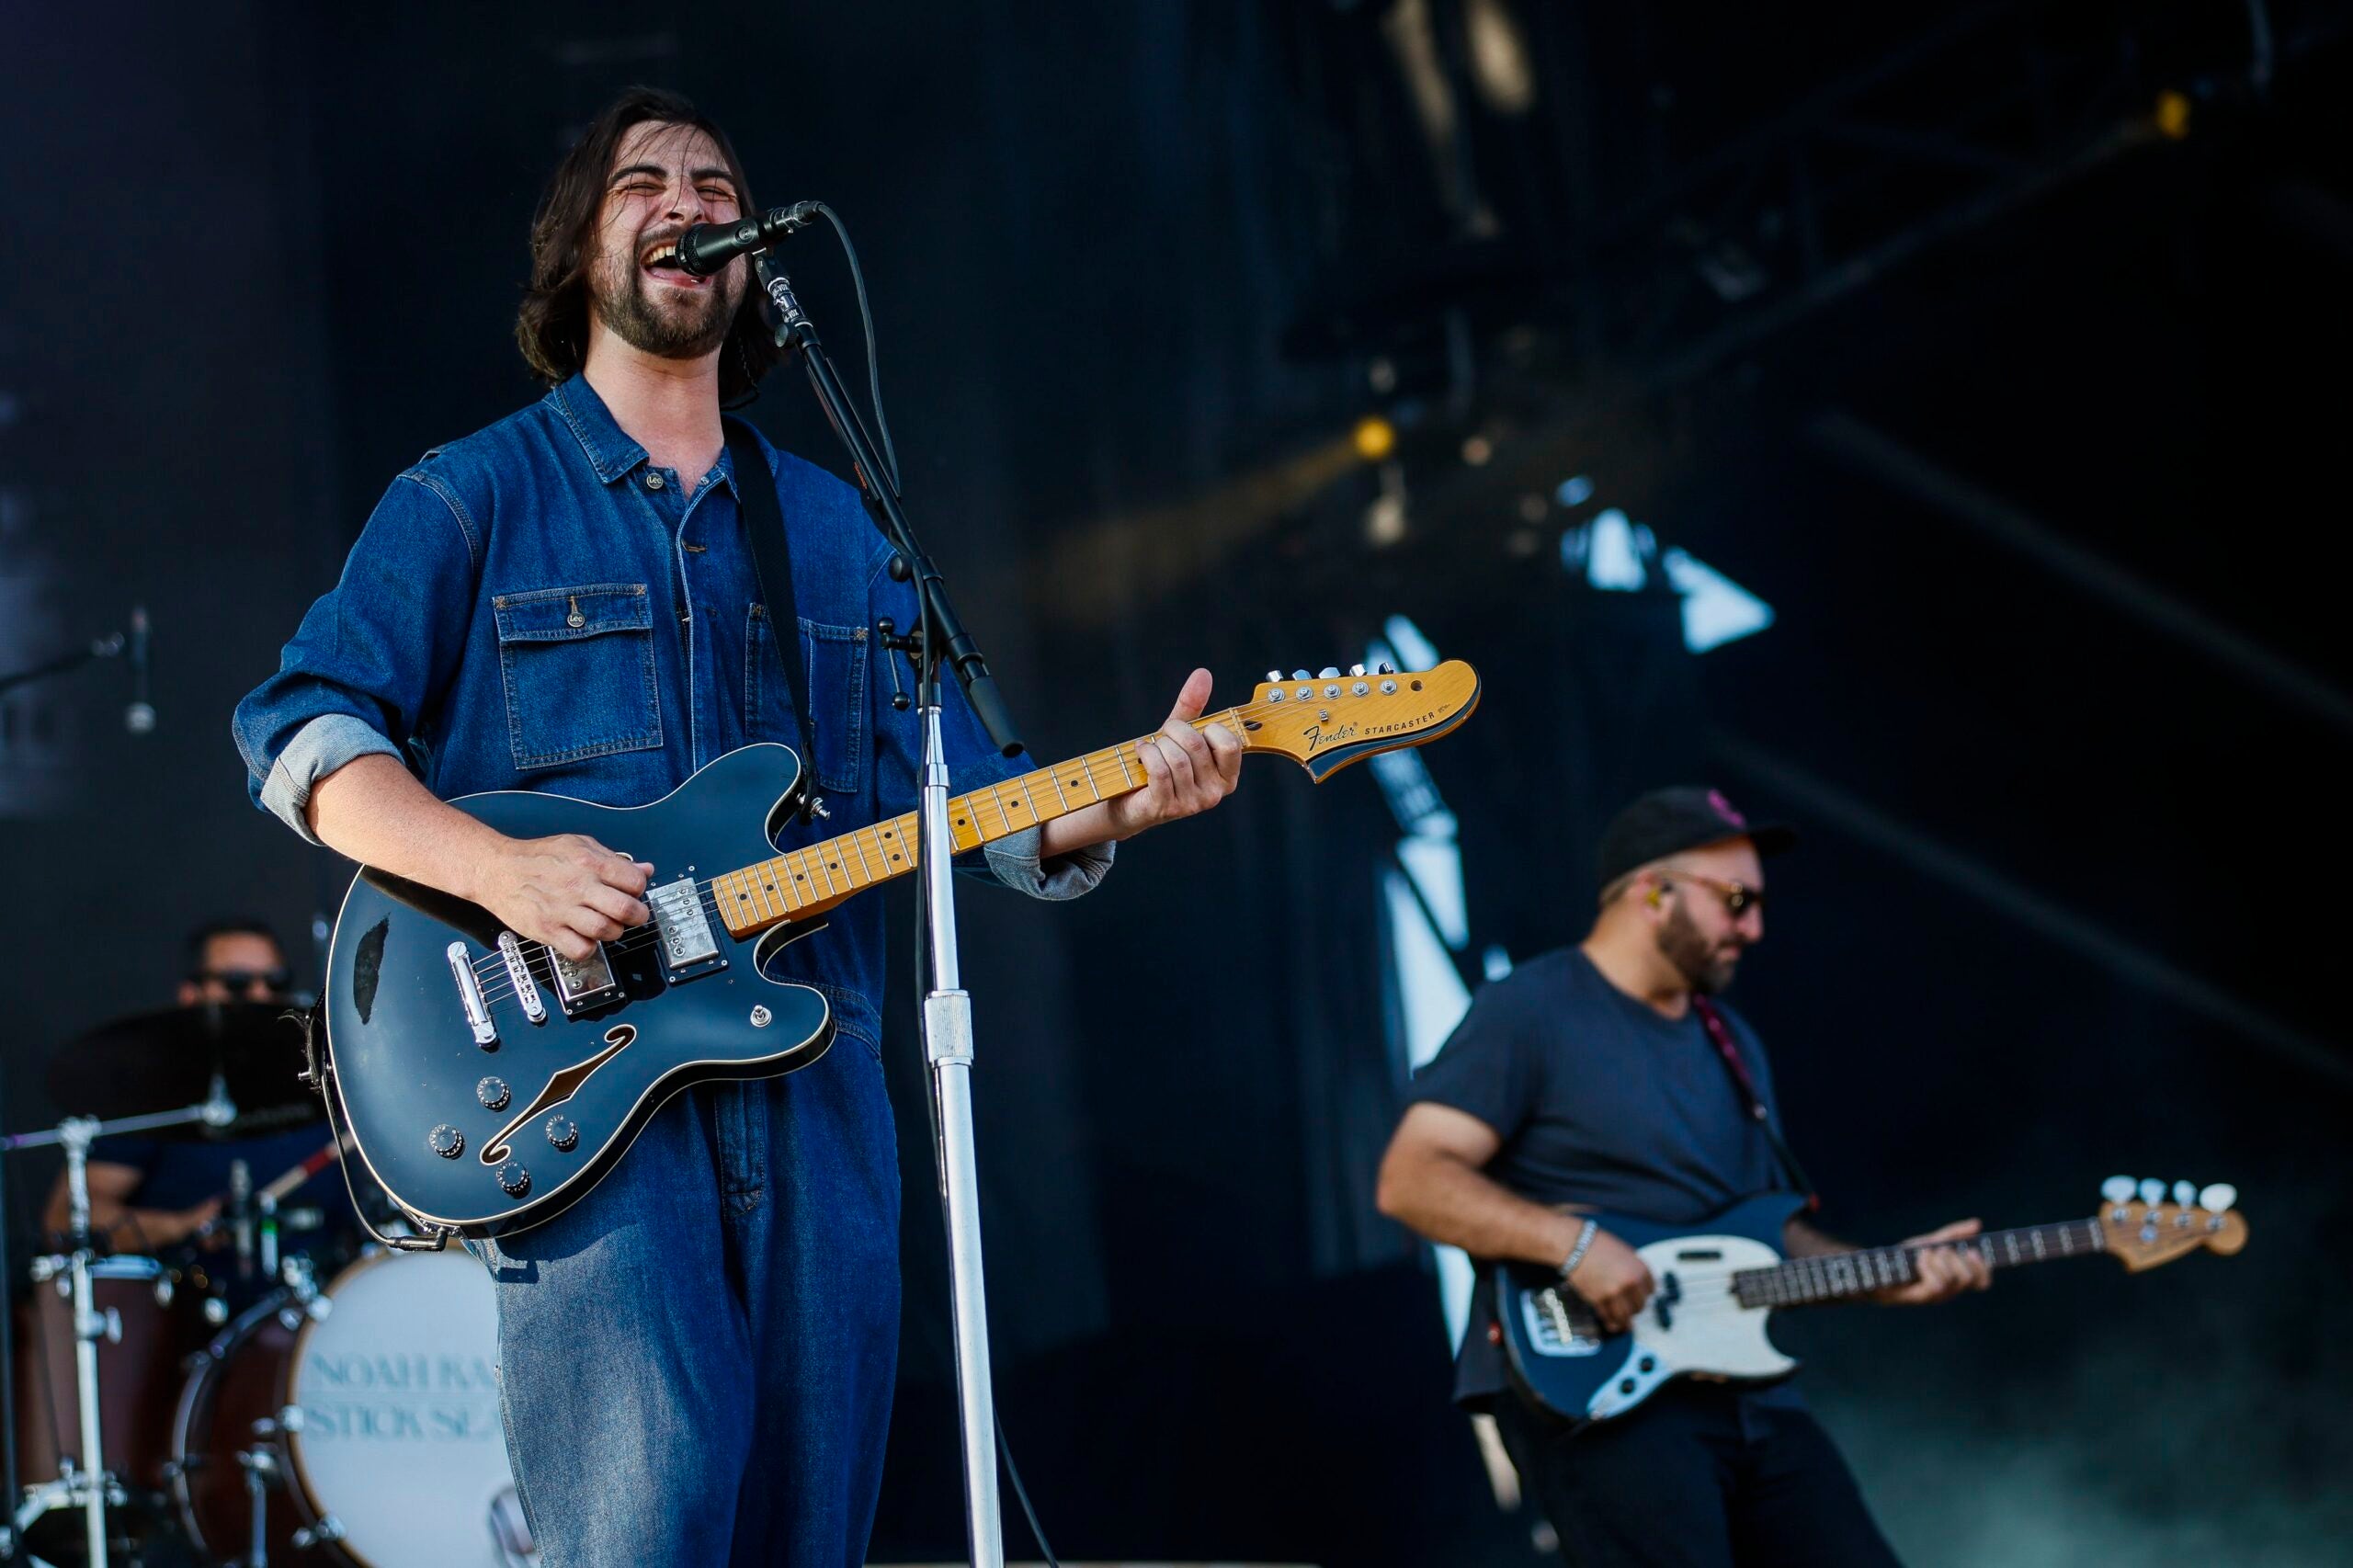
(527,989)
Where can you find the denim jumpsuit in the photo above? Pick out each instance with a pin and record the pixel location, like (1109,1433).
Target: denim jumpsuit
(696,1359)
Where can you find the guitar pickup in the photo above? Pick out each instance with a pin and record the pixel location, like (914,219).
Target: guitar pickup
(462,969)
(585,985)
(1558,1325)
(687,942)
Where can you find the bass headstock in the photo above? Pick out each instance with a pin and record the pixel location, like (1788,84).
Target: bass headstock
(2144,1223)
(1327,720)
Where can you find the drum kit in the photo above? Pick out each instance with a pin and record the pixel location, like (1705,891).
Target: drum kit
(269,1392)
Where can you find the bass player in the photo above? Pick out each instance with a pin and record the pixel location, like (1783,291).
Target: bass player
(1605,1076)
(698,1356)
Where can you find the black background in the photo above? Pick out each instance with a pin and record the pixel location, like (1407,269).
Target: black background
(2068,902)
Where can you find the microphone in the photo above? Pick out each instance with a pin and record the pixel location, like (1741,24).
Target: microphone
(707,248)
(139,718)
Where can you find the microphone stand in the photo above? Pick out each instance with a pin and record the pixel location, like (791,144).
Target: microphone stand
(940,639)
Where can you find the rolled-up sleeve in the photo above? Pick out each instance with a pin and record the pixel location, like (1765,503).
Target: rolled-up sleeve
(1013,860)
(372,656)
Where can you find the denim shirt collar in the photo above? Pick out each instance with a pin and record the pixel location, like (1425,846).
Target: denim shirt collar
(610,452)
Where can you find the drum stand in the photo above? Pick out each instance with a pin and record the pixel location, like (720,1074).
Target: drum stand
(89,1486)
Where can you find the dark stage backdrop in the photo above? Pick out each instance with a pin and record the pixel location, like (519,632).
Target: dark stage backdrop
(1091,237)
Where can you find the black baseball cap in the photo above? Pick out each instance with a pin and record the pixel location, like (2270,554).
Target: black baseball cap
(1683,816)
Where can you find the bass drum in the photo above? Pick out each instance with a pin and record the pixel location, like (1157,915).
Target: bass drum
(357,1424)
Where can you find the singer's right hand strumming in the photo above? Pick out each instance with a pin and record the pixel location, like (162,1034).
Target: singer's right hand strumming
(569,891)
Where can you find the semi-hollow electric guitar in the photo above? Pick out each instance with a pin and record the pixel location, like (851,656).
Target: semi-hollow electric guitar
(488,1082)
(1716,1286)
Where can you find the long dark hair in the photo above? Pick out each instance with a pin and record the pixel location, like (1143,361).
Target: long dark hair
(551,328)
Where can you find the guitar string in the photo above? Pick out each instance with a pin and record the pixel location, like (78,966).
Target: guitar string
(1701,1287)
(494,964)
(1095,765)
(536,955)
(1109,757)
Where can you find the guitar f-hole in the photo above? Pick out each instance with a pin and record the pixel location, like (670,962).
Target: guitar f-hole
(562,1087)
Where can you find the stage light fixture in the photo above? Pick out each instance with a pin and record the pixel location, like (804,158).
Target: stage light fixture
(2173,114)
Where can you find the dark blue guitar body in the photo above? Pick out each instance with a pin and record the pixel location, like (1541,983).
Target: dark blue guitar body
(438,1117)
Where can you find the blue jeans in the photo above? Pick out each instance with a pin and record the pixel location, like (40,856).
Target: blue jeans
(697,1358)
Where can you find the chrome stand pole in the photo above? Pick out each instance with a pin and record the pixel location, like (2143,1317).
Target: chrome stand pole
(88,1327)
(948,1044)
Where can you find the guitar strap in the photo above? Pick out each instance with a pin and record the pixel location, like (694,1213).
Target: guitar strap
(764,524)
(1721,1032)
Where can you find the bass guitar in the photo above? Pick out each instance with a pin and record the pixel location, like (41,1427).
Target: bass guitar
(1717,1284)
(488,1082)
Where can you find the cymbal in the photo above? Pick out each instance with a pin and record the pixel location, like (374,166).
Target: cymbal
(166,1061)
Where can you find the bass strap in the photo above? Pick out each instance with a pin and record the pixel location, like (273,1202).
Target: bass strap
(1726,1047)
(764,524)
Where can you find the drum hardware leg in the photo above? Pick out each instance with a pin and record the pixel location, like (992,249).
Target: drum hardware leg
(261,1474)
(87,1326)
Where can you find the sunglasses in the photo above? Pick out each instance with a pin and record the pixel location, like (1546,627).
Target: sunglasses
(1739,897)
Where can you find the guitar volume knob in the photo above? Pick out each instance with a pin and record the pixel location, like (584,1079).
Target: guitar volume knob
(445,1140)
(493,1093)
(513,1179)
(563,1133)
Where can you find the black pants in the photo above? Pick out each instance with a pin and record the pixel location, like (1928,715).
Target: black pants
(1699,1477)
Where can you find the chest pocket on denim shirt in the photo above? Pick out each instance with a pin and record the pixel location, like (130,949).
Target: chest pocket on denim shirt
(578,667)
(834,659)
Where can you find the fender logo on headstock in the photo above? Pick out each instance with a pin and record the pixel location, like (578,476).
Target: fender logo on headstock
(1316,739)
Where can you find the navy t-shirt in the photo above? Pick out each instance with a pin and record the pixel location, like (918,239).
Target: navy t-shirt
(1601,1102)
(177,1173)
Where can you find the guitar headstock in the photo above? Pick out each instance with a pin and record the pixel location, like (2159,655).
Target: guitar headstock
(1325,721)
(2144,1224)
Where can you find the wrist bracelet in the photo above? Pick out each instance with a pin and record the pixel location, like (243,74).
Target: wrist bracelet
(1576,1253)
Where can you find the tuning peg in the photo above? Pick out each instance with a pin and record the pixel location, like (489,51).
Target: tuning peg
(1274,677)
(1329,672)
(2118,1189)
(2217,1198)
(2184,1193)
(1356,669)
(2151,1190)
(1385,668)
(1300,674)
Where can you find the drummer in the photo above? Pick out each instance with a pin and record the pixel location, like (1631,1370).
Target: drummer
(151,1194)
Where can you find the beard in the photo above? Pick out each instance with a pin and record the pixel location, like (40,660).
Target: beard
(676,326)
(1705,967)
